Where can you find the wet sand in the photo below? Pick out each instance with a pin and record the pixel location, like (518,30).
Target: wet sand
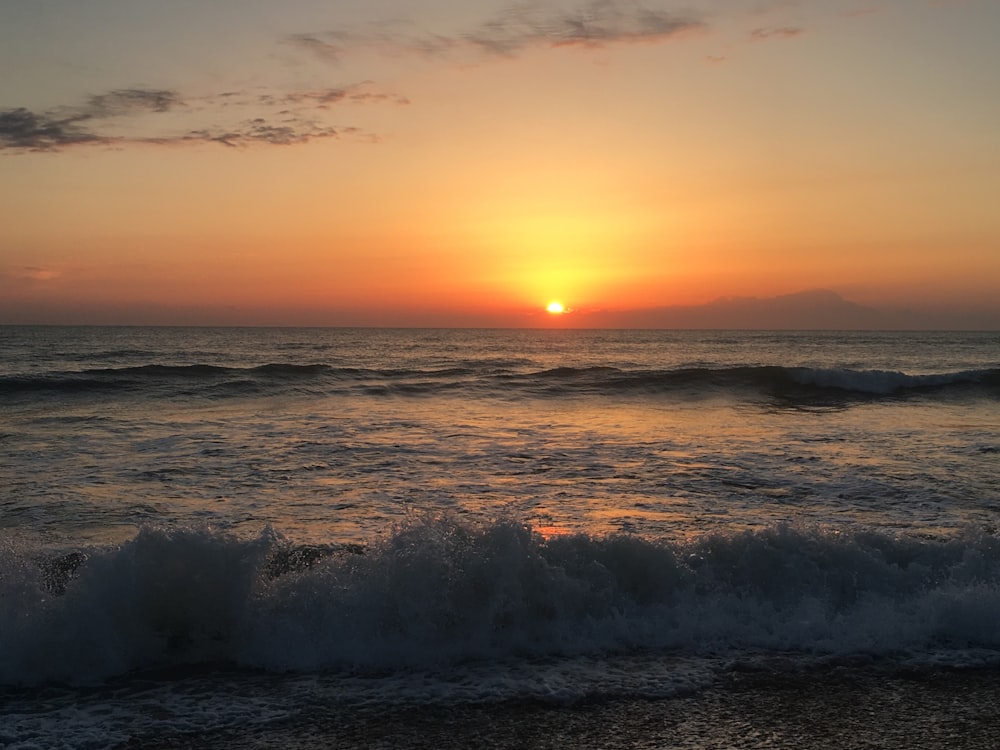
(837,710)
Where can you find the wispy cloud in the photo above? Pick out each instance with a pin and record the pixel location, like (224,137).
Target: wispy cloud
(328,46)
(776,32)
(598,24)
(325,98)
(16,281)
(124,102)
(517,28)
(36,273)
(861,10)
(130,116)
(252,132)
(21,128)
(274,118)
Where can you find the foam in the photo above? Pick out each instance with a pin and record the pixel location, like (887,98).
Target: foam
(437,592)
(883,382)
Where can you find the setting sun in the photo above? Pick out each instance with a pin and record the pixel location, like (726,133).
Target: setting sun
(465,194)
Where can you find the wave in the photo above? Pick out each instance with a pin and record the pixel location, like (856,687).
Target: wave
(782,384)
(437,592)
(883,382)
(775,380)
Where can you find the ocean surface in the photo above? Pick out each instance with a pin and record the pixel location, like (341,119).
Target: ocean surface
(297,538)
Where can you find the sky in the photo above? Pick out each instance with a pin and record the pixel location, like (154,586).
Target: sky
(439,163)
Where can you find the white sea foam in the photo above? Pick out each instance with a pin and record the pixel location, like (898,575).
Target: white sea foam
(880,382)
(438,593)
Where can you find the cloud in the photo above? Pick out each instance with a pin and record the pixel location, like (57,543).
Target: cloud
(864,10)
(329,48)
(273,118)
(360,93)
(261,131)
(130,116)
(21,128)
(598,24)
(123,102)
(16,281)
(37,273)
(519,27)
(776,32)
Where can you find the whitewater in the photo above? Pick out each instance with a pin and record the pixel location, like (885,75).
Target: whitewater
(214,535)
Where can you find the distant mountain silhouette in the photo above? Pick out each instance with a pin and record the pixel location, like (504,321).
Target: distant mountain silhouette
(816,309)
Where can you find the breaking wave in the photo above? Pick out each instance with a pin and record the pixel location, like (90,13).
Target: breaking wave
(438,592)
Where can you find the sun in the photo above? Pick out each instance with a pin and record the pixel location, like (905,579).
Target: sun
(556,308)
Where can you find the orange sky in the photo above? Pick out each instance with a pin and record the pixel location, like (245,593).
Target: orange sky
(404,164)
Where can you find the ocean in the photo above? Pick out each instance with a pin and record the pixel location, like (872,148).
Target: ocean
(305,538)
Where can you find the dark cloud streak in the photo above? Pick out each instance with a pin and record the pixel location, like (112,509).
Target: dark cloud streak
(520,27)
(259,130)
(95,122)
(776,32)
(596,25)
(324,98)
(21,128)
(329,48)
(123,102)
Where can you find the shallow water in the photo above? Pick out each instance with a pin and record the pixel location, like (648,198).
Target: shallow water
(333,435)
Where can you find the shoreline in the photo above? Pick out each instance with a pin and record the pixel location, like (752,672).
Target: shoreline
(836,709)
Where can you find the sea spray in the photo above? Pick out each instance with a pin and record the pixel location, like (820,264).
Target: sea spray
(439,591)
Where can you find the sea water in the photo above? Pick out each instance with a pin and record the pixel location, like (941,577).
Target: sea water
(209,529)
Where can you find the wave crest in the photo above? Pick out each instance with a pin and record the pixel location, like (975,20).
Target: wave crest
(438,592)
(788,385)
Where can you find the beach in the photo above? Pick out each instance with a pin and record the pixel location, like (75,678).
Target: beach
(843,708)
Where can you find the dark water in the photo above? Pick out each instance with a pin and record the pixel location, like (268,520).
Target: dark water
(309,537)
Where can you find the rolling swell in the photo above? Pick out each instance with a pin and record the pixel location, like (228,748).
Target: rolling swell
(784,384)
(438,592)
